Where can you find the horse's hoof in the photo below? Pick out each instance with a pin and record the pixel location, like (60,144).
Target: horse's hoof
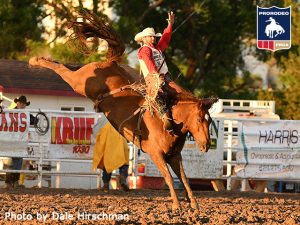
(176,208)
(176,211)
(194,205)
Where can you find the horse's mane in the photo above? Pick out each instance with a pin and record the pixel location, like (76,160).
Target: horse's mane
(186,97)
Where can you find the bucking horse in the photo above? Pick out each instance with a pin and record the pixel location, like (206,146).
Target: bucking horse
(111,85)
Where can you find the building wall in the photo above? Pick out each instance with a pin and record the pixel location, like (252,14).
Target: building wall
(53,102)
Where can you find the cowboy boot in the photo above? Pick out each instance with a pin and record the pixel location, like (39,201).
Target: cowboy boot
(123,183)
(105,187)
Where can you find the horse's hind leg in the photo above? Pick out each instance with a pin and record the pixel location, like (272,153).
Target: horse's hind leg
(161,164)
(56,67)
(69,76)
(176,165)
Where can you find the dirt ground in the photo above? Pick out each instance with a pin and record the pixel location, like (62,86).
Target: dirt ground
(74,206)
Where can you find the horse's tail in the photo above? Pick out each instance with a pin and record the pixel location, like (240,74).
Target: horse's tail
(88,28)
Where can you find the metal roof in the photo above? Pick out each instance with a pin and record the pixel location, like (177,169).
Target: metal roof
(18,77)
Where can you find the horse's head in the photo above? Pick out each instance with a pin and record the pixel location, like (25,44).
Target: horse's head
(199,121)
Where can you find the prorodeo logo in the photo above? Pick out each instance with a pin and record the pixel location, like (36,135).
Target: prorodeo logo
(274,28)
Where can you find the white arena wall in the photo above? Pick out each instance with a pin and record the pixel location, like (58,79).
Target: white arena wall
(51,102)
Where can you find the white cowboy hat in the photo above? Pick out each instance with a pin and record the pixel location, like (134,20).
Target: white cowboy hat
(149,31)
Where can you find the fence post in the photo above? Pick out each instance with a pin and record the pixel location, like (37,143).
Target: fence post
(40,165)
(57,178)
(1,92)
(229,154)
(135,167)
(244,185)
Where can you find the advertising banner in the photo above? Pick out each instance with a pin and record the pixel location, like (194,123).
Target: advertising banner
(71,135)
(276,134)
(269,149)
(14,128)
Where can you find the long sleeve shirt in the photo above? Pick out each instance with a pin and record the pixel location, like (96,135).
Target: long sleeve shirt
(145,52)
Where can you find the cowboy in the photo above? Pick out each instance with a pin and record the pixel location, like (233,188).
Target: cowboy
(12,179)
(21,102)
(153,65)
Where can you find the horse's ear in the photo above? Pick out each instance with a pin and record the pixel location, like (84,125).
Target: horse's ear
(208,102)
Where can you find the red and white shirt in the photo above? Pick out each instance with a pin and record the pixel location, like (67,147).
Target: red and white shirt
(151,57)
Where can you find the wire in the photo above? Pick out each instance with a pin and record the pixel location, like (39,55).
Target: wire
(186,19)
(183,22)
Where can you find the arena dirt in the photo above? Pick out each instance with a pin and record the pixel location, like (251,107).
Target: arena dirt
(72,206)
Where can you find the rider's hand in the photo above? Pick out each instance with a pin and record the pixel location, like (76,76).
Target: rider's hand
(171,18)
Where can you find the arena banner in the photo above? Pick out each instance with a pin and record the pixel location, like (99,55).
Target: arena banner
(277,157)
(277,134)
(14,128)
(71,135)
(196,164)
(269,149)
(268,171)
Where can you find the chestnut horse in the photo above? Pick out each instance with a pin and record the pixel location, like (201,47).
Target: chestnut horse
(190,114)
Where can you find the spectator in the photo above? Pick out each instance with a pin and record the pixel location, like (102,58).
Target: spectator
(12,179)
(110,153)
(123,171)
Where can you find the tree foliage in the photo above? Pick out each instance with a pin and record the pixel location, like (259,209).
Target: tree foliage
(19,21)
(205,52)
(61,48)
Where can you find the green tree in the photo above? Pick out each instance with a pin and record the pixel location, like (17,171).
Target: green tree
(63,50)
(206,49)
(19,22)
(290,76)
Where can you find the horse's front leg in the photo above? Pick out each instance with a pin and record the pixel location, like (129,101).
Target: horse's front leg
(161,164)
(176,165)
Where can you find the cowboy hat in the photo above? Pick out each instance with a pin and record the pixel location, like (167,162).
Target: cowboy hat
(22,99)
(149,31)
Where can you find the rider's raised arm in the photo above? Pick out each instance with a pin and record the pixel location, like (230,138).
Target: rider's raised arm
(167,34)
